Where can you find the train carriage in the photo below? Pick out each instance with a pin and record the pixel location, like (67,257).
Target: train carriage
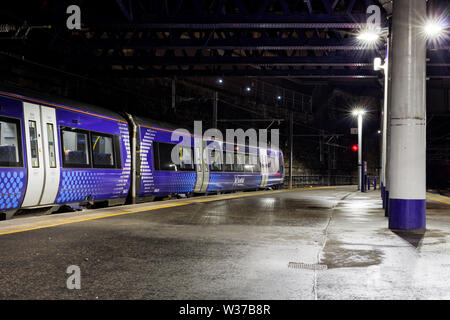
(156,174)
(198,171)
(56,152)
(52,154)
(13,167)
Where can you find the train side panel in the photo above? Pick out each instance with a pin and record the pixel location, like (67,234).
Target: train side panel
(13,168)
(235,181)
(78,184)
(159,182)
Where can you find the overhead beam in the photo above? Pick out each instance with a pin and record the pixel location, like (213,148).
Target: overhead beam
(323,61)
(229,44)
(295,61)
(239,24)
(287,73)
(328,74)
(237,43)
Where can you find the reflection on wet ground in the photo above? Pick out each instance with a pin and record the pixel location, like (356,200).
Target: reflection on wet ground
(237,249)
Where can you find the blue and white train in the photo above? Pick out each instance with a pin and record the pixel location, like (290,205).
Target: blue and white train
(55,153)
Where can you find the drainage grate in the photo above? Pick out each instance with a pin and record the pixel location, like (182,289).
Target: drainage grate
(308,266)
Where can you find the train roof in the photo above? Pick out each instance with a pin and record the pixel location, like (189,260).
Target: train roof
(140,121)
(54,100)
(167,126)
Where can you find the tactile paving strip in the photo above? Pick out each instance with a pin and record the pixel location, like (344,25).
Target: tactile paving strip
(308,266)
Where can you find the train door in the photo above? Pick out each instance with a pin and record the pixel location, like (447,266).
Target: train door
(35,161)
(51,152)
(198,165)
(264,167)
(201,184)
(205,168)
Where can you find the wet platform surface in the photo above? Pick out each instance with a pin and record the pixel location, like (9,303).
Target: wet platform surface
(237,248)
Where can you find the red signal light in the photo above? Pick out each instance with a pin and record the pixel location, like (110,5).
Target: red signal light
(355,147)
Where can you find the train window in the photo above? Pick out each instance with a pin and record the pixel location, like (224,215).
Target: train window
(252,163)
(155,148)
(10,143)
(162,153)
(256,162)
(186,158)
(273,165)
(117,157)
(34,147)
(75,148)
(229,160)
(247,166)
(216,162)
(102,150)
(239,161)
(270,164)
(165,157)
(51,145)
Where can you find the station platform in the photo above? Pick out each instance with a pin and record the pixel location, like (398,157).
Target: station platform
(311,243)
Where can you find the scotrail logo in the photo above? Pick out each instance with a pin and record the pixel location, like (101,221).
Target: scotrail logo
(239,181)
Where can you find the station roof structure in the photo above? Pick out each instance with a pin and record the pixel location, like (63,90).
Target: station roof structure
(185,38)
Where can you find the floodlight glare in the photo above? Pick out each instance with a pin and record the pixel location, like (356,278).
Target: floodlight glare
(369,36)
(433,29)
(248,89)
(358,112)
(220,80)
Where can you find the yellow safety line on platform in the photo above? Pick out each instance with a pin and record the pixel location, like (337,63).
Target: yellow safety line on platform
(163,206)
(438,200)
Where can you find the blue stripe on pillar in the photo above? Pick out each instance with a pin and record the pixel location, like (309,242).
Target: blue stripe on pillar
(407,214)
(386,203)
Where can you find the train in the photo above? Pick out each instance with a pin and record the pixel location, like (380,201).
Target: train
(57,153)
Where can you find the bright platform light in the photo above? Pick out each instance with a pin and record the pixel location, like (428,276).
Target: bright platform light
(433,29)
(358,112)
(368,36)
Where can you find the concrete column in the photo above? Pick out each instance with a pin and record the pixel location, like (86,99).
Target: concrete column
(407,156)
(360,149)
(384,125)
(291,146)
(388,132)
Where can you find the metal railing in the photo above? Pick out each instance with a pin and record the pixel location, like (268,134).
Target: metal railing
(321,180)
